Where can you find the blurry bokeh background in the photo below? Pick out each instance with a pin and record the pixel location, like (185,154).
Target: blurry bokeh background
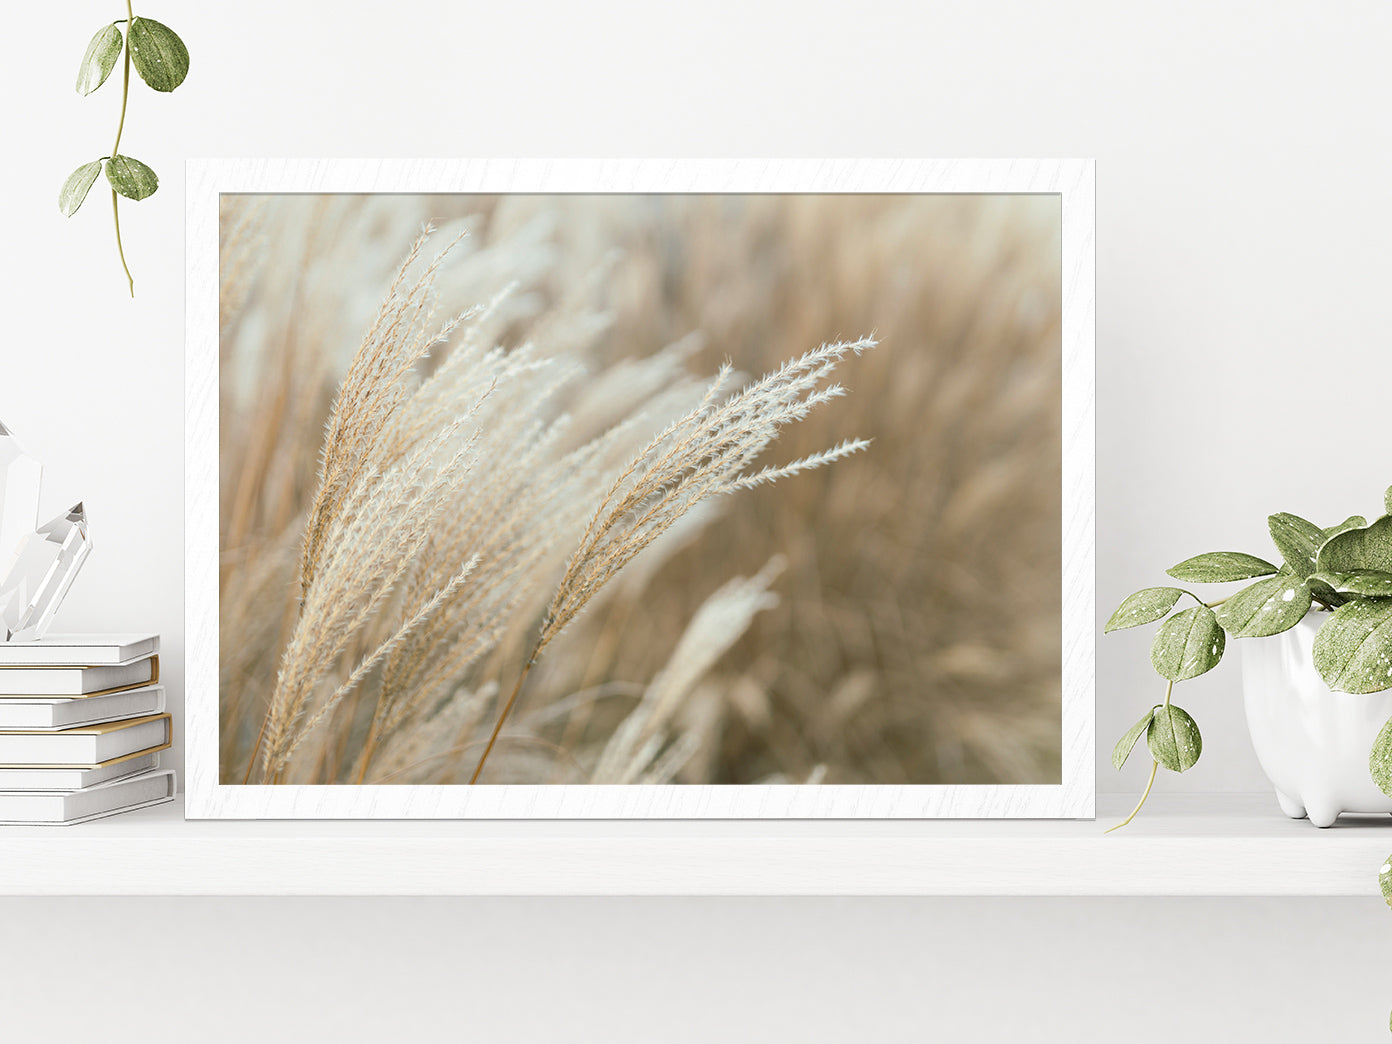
(917,632)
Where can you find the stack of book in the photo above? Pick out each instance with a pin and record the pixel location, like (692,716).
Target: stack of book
(82,724)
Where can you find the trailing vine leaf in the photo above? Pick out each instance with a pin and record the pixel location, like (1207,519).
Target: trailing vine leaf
(1385,880)
(1219,567)
(1188,644)
(1173,738)
(99,60)
(1362,547)
(130,177)
(1122,750)
(1367,583)
(1265,608)
(75,189)
(1143,607)
(1353,650)
(159,55)
(1298,541)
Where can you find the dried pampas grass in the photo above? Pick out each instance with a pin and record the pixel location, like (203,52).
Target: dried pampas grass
(515,544)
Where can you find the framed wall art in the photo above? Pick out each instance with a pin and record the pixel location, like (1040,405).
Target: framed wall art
(650,489)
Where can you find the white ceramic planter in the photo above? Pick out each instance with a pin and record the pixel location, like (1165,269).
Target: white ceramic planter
(1312,742)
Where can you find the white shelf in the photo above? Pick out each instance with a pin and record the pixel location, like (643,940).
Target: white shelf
(1212,845)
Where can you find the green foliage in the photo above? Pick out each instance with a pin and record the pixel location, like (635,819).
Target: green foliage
(1265,608)
(1380,759)
(1218,567)
(100,59)
(1188,644)
(130,177)
(1353,650)
(75,189)
(1143,607)
(1360,547)
(159,55)
(1173,738)
(1344,571)
(162,61)
(1371,583)
(1352,522)
(1321,591)
(1122,750)
(1298,541)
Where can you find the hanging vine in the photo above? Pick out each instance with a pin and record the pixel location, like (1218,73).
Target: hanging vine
(162,61)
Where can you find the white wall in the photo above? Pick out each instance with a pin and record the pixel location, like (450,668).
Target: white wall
(1243,350)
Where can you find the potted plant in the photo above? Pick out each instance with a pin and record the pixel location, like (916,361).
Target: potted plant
(1328,611)
(1318,693)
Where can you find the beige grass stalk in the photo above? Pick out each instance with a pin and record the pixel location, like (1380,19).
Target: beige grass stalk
(635,749)
(702,455)
(378,502)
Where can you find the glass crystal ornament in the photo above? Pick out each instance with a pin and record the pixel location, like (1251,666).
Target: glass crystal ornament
(42,571)
(19,496)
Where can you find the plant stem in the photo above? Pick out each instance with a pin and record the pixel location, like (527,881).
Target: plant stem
(256,749)
(507,709)
(1154,767)
(121,126)
(369,748)
(120,250)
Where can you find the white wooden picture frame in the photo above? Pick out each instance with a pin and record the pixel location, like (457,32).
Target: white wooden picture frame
(1072,797)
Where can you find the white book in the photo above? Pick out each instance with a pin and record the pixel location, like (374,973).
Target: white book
(49,777)
(63,808)
(77,681)
(79,650)
(45,714)
(85,746)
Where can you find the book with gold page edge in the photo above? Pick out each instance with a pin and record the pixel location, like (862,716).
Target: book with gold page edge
(51,713)
(86,746)
(77,681)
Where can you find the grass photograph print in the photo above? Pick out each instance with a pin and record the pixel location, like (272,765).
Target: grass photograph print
(640,489)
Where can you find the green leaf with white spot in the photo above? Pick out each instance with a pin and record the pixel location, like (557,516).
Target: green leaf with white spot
(1143,607)
(1366,583)
(158,54)
(130,177)
(100,59)
(76,187)
(1219,567)
(1173,738)
(1298,541)
(1365,547)
(1122,750)
(1380,765)
(1353,650)
(1188,644)
(1265,608)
